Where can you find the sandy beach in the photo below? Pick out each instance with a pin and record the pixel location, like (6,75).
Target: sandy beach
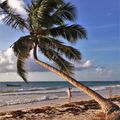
(81,108)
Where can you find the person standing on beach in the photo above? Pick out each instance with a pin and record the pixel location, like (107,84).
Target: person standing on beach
(69,94)
(110,92)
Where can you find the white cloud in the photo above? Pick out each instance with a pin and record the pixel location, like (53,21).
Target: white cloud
(2,60)
(2,1)
(1,17)
(17,5)
(103,71)
(10,67)
(86,64)
(7,61)
(99,70)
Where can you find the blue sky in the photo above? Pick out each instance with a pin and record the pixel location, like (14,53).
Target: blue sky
(101,52)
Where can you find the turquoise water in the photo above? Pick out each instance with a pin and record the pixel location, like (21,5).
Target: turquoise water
(5,86)
(12,93)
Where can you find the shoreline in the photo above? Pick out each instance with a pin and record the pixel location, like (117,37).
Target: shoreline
(76,110)
(56,102)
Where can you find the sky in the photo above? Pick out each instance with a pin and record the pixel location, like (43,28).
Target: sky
(100,52)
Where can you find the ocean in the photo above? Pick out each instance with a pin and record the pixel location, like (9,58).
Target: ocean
(13,93)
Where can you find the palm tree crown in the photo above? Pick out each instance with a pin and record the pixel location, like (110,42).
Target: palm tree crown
(46,25)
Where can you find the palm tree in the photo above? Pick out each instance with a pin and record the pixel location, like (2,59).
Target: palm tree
(45,24)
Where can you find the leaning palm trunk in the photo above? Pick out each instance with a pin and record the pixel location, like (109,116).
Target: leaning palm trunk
(106,105)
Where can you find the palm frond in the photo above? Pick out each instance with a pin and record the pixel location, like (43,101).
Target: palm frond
(64,12)
(72,33)
(39,12)
(63,64)
(11,17)
(46,6)
(22,48)
(69,52)
(21,70)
